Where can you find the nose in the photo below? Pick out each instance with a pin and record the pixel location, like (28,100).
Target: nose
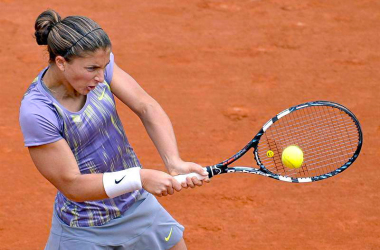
(99,76)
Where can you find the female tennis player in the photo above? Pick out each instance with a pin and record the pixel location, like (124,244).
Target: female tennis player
(77,142)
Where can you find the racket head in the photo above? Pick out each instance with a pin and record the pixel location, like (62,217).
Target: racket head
(328,133)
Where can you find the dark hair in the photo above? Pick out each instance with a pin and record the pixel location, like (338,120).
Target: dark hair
(71,37)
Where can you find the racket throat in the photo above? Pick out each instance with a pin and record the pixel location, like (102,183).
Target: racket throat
(216,170)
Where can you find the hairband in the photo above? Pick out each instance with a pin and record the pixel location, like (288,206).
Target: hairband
(83,37)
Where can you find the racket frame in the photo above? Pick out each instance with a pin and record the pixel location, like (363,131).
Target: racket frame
(222,167)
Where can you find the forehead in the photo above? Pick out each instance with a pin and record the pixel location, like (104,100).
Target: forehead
(98,57)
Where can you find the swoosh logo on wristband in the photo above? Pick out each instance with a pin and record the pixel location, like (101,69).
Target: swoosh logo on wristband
(117,182)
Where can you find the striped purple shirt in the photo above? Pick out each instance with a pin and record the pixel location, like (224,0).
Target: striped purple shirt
(96,137)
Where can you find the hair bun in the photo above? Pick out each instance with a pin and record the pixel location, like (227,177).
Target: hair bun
(44,23)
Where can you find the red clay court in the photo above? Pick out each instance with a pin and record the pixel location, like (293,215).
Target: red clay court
(220,69)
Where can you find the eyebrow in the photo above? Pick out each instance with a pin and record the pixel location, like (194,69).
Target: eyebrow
(96,66)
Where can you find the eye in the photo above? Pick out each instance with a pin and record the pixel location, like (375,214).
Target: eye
(90,68)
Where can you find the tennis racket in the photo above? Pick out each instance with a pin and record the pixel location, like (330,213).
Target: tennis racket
(328,134)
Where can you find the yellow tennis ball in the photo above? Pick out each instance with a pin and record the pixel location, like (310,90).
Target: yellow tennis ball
(292,157)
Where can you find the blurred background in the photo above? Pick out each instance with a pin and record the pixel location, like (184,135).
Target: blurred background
(220,69)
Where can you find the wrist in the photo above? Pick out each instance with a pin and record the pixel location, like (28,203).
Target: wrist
(121,182)
(143,175)
(172,163)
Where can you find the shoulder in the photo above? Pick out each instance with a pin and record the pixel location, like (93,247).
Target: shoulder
(39,119)
(35,101)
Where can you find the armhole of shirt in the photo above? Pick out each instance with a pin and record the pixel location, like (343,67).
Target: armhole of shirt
(108,75)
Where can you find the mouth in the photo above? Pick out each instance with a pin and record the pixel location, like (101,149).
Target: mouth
(91,88)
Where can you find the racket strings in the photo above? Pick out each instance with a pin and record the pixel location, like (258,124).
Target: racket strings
(318,147)
(324,126)
(338,142)
(330,140)
(334,137)
(327,136)
(333,146)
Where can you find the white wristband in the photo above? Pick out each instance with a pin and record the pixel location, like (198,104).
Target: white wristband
(121,182)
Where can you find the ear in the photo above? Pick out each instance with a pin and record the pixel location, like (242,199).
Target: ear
(60,62)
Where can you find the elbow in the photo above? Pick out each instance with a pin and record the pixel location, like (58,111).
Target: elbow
(73,196)
(73,192)
(148,110)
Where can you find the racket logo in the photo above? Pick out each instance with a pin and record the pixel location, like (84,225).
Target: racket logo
(270,153)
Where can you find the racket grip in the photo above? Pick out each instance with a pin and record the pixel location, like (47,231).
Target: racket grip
(182,177)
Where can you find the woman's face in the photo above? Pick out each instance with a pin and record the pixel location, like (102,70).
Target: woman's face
(85,73)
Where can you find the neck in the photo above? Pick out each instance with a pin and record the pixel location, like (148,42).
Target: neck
(57,84)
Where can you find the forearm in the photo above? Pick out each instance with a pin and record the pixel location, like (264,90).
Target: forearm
(84,187)
(102,186)
(153,117)
(161,132)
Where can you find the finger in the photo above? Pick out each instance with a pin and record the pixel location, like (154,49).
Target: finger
(190,182)
(177,186)
(198,169)
(196,181)
(170,190)
(164,193)
(184,185)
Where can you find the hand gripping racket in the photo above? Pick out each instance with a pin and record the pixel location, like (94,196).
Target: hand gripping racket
(328,134)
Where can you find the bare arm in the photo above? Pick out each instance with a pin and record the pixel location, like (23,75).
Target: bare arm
(57,164)
(156,122)
(150,112)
